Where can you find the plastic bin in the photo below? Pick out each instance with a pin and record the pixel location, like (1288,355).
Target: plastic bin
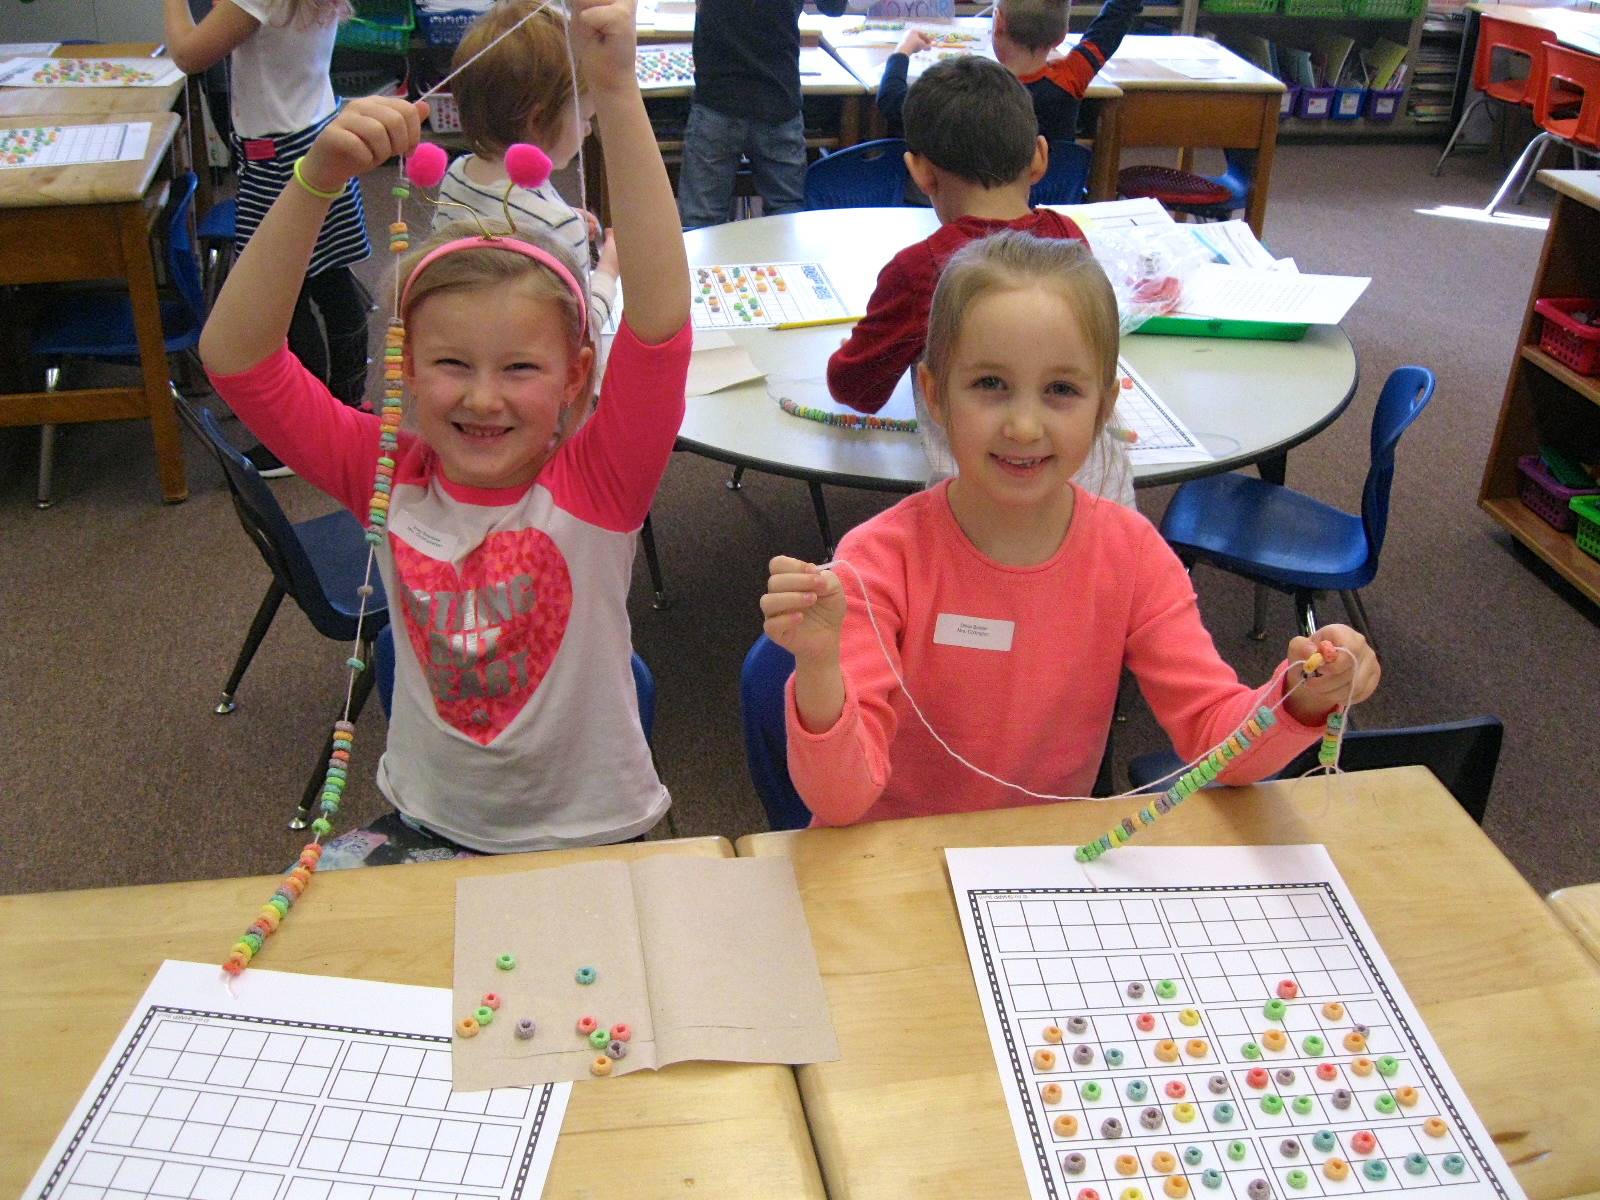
(1289,100)
(350,84)
(380,26)
(445,28)
(444,115)
(1588,531)
(1314,104)
(1347,103)
(1571,342)
(1239,6)
(1387,10)
(1546,495)
(1314,8)
(1383,104)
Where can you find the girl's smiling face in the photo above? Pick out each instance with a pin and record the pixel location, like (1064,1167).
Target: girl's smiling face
(493,375)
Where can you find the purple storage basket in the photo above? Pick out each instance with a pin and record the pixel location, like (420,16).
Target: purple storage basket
(1545,495)
(1347,104)
(1289,101)
(1383,104)
(1314,104)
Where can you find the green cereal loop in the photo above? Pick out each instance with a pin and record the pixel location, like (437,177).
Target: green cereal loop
(1384,1104)
(1271,1105)
(1091,1091)
(1237,1151)
(483,1015)
(1301,1105)
(1250,1050)
(1297,1178)
(1166,989)
(506,962)
(1314,1045)
(1388,1065)
(1274,1009)
(600,1039)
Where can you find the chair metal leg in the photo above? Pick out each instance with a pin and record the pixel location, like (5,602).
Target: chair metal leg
(1533,169)
(647,536)
(1460,125)
(820,507)
(1357,609)
(734,484)
(1273,469)
(1517,168)
(1305,610)
(1258,617)
(252,642)
(47,443)
(358,700)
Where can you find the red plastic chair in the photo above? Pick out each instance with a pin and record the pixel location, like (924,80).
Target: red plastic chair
(1522,43)
(1566,107)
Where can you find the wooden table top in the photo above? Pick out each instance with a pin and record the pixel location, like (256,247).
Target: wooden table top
(1153,63)
(1579,910)
(93,101)
(76,963)
(820,75)
(87,183)
(109,50)
(1582,186)
(866,64)
(916,1097)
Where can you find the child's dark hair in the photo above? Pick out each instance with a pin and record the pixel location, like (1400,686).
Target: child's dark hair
(971,117)
(1035,24)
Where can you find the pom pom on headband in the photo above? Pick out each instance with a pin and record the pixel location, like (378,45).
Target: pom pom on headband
(527,165)
(516,246)
(427,164)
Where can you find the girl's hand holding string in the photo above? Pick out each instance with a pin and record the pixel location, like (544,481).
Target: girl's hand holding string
(367,132)
(804,609)
(605,36)
(607,261)
(1345,671)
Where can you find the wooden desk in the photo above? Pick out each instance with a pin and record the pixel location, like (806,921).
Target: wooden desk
(1578,908)
(89,101)
(915,1106)
(91,222)
(76,962)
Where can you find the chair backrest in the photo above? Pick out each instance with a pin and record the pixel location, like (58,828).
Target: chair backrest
(266,525)
(766,740)
(1405,394)
(183,264)
(867,175)
(1573,69)
(1462,754)
(1521,42)
(1066,177)
(383,664)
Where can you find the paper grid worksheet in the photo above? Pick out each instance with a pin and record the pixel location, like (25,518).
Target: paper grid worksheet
(88,72)
(1163,438)
(71,145)
(295,1087)
(1127,1005)
(750,295)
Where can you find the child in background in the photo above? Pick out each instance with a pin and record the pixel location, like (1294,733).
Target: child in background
(281,99)
(1010,598)
(521,91)
(974,149)
(510,539)
(746,101)
(891,97)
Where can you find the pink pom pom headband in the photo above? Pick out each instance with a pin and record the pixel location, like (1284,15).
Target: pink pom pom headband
(516,246)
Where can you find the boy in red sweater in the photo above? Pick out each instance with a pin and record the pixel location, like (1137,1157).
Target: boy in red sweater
(973,147)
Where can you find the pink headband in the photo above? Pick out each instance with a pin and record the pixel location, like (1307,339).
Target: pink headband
(541,256)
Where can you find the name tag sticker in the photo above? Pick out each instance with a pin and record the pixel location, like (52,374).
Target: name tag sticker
(977,633)
(423,539)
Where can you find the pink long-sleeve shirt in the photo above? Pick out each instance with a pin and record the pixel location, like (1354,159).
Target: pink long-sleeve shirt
(1016,667)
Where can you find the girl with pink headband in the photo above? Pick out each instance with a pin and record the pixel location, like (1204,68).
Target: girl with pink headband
(508,546)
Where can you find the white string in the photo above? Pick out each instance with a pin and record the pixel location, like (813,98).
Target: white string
(872,617)
(502,37)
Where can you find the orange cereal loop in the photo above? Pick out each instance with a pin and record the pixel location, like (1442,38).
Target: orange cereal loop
(1361,1066)
(1274,1039)
(1355,1042)
(1406,1096)
(1176,1186)
(1333,1010)
(1196,1048)
(1044,1060)
(1126,1164)
(1052,1034)
(1167,1050)
(600,1066)
(1050,1093)
(467,1027)
(1066,1125)
(1336,1169)
(1164,1161)
(1435,1127)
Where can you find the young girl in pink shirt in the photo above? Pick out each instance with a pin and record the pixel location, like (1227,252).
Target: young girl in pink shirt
(508,546)
(1010,599)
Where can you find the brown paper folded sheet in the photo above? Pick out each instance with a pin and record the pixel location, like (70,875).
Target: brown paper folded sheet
(704,958)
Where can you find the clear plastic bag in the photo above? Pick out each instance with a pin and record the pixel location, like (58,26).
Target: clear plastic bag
(1147,266)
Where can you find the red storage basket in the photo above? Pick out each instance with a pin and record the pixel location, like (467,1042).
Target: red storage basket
(1546,495)
(1570,342)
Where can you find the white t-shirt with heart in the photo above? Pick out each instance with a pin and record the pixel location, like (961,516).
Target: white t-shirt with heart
(515,722)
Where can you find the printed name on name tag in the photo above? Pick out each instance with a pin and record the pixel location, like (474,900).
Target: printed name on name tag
(423,539)
(978,633)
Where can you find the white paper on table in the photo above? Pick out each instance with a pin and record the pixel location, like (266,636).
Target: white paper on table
(1234,243)
(294,1087)
(76,144)
(1197,68)
(1114,214)
(718,362)
(1050,938)
(123,72)
(1241,294)
(1162,437)
(764,294)
(27,49)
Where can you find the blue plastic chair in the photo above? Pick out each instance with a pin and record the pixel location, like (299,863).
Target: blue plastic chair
(215,232)
(97,323)
(866,175)
(383,663)
(319,563)
(766,740)
(1288,541)
(1462,755)
(1067,177)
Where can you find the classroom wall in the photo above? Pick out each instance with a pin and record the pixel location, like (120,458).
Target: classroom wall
(96,20)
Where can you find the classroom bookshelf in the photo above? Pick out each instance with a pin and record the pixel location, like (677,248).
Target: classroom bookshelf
(1546,401)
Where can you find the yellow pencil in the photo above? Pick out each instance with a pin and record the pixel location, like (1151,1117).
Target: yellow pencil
(818,321)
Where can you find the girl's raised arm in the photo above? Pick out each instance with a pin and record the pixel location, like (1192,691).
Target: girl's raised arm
(251,317)
(654,267)
(194,47)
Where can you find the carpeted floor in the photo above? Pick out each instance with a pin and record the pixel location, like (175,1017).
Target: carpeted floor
(121,617)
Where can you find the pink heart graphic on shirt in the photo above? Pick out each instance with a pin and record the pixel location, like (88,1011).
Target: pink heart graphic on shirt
(486,632)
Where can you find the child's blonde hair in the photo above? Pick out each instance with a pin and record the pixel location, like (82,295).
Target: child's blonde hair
(518,89)
(1012,259)
(474,267)
(1035,24)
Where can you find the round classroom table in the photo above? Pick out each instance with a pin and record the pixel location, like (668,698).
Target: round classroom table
(1247,401)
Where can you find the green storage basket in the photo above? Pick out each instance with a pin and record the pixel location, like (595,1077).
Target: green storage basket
(1239,6)
(1387,10)
(379,26)
(1314,8)
(1588,531)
